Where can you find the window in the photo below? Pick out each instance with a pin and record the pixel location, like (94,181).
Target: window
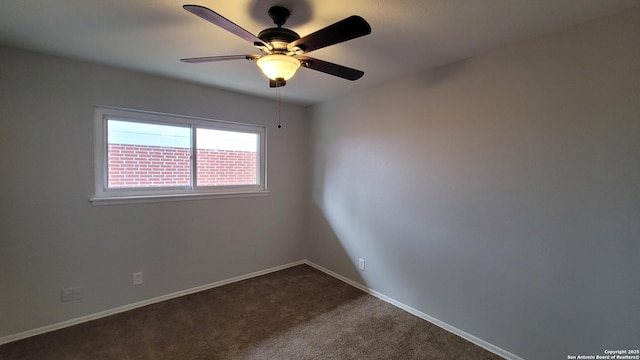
(144,156)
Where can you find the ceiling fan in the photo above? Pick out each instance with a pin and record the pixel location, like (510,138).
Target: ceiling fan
(282,48)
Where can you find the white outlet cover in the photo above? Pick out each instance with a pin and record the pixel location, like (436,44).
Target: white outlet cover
(137,278)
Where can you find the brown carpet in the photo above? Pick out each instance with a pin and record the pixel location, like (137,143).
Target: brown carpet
(296,313)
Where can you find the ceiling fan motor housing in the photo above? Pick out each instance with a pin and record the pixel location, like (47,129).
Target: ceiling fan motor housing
(278,37)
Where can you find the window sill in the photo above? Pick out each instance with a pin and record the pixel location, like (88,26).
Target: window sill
(123,200)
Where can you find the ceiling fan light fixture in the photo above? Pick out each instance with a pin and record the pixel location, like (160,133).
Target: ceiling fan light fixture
(278,66)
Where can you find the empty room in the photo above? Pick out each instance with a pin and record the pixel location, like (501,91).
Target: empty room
(306,179)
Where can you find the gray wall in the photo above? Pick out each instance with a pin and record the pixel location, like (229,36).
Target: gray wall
(50,235)
(500,194)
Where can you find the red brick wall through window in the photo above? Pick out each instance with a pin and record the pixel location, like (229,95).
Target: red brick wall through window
(149,166)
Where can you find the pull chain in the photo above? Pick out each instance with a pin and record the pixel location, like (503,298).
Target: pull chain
(278,103)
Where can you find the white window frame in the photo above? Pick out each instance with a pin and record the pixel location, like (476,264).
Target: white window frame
(111,196)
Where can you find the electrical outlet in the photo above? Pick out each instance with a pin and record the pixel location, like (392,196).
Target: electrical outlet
(66,294)
(70,294)
(361,264)
(137,278)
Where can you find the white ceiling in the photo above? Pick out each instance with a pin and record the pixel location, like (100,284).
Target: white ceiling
(408,36)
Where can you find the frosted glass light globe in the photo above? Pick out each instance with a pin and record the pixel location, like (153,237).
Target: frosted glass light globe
(277,66)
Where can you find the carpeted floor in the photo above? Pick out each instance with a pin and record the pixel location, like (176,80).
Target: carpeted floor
(296,313)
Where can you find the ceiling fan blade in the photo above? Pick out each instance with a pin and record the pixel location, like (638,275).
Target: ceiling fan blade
(222,22)
(219,58)
(331,68)
(346,29)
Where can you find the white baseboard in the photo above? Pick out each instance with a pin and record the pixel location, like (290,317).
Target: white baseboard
(473,339)
(82,319)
